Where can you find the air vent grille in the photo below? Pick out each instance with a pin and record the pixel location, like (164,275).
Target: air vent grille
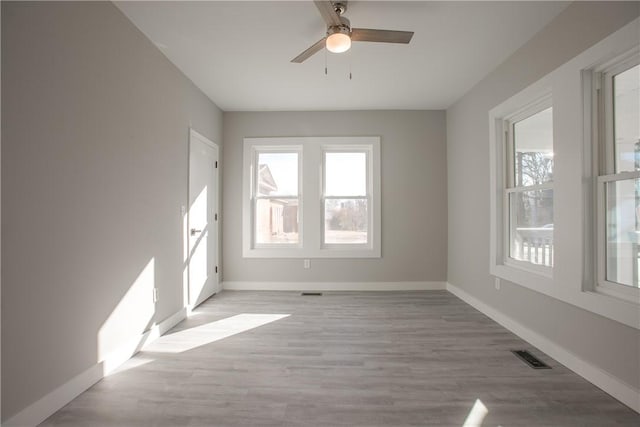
(530,359)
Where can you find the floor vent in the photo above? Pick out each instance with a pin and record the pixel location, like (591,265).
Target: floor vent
(530,359)
(311,294)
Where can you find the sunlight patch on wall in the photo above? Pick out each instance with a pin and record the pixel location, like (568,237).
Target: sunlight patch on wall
(131,317)
(198,253)
(189,339)
(198,213)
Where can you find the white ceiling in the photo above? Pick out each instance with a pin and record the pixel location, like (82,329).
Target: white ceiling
(239,52)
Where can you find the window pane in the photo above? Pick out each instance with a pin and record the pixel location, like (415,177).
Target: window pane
(276,221)
(277,174)
(345,220)
(531,226)
(626,99)
(345,174)
(533,150)
(622,230)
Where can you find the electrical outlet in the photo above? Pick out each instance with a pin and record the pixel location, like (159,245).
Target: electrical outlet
(155,294)
(497,284)
(307,263)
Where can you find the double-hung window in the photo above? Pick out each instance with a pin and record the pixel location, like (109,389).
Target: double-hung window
(522,195)
(346,197)
(617,123)
(312,197)
(528,193)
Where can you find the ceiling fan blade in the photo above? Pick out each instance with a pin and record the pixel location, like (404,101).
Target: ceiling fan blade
(382,36)
(309,52)
(328,13)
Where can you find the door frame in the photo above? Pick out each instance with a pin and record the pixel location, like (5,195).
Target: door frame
(193,134)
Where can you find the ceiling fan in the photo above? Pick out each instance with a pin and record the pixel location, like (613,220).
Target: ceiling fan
(340,34)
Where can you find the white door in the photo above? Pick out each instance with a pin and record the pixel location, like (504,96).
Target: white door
(202,219)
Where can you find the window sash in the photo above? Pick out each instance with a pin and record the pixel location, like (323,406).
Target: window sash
(603,285)
(274,150)
(254,232)
(508,216)
(509,140)
(605,109)
(348,149)
(323,230)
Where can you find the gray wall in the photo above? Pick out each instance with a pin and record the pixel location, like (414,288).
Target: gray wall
(414,211)
(94,171)
(604,343)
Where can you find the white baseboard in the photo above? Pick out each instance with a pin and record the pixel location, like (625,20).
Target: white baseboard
(42,409)
(163,327)
(333,286)
(625,393)
(113,360)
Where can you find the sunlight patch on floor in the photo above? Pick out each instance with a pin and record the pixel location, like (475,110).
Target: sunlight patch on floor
(191,338)
(132,363)
(477,414)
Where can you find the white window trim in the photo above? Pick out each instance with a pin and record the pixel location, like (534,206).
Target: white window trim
(310,192)
(526,103)
(598,112)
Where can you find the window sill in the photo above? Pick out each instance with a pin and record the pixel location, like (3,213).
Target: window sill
(535,281)
(612,307)
(620,292)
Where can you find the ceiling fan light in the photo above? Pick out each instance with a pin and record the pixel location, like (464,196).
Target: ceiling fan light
(338,42)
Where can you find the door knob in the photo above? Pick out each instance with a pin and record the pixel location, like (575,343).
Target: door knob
(195,231)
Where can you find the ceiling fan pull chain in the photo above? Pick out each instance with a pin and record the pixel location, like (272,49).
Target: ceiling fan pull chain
(325,62)
(350,63)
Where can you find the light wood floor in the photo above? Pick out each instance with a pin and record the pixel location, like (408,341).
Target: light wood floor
(342,359)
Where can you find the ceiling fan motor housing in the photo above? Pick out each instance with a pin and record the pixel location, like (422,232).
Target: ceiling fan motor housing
(345,28)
